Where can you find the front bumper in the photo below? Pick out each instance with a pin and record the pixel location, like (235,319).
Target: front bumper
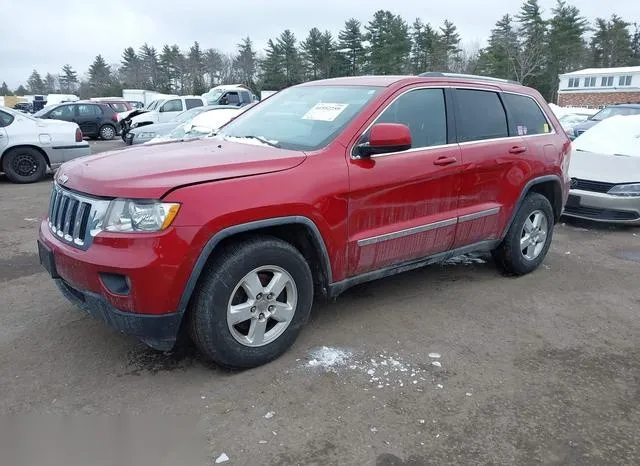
(151,271)
(159,332)
(602,207)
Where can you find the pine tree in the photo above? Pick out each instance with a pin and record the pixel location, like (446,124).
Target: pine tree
(196,70)
(350,45)
(245,62)
(49,84)
(4,89)
(635,46)
(273,78)
(532,56)
(425,45)
(35,83)
(214,63)
(100,81)
(131,68)
(170,64)
(497,59)
(310,52)
(389,43)
(328,56)
(68,79)
(611,43)
(566,44)
(446,47)
(149,78)
(291,66)
(21,90)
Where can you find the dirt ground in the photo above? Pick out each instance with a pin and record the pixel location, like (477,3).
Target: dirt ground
(539,369)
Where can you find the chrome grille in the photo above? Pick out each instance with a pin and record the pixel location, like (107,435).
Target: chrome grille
(69,216)
(591,185)
(75,218)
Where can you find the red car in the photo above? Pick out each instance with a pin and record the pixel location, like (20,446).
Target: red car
(318,188)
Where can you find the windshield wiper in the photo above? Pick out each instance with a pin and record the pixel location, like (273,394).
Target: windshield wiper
(264,140)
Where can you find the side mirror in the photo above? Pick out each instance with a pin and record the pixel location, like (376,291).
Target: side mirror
(385,138)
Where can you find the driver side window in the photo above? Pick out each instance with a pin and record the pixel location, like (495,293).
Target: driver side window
(174,105)
(423,111)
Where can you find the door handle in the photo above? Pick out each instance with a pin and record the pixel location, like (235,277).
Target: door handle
(445,161)
(517,150)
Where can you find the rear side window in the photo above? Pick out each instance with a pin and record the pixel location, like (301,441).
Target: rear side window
(118,107)
(480,116)
(525,116)
(89,110)
(246,97)
(5,119)
(174,105)
(192,103)
(233,98)
(423,111)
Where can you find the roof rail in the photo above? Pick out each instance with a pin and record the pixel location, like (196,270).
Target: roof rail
(438,74)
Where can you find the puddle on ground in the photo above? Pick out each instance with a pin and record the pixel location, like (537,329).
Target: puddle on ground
(628,254)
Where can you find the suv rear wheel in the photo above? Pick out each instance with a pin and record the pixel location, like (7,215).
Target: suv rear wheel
(107,132)
(529,237)
(251,303)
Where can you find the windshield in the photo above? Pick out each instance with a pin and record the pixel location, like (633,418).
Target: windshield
(573,118)
(302,118)
(17,113)
(153,105)
(611,111)
(188,115)
(213,95)
(41,112)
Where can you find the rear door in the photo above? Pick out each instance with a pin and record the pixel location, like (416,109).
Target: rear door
(88,117)
(5,120)
(403,205)
(492,165)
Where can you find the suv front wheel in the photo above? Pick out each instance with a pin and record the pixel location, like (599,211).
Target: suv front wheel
(529,237)
(251,303)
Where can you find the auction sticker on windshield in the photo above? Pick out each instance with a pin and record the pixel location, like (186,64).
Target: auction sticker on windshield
(323,111)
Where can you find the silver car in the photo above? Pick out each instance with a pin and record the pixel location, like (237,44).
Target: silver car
(605,173)
(142,134)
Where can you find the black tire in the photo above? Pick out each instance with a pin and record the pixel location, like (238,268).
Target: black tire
(208,312)
(107,132)
(509,256)
(24,165)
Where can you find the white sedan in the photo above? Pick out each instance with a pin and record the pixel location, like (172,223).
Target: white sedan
(29,146)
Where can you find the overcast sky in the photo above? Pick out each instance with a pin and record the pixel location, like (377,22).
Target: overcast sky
(46,34)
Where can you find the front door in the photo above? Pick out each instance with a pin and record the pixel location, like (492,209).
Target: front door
(88,117)
(403,205)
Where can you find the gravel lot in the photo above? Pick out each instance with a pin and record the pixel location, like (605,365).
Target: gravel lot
(539,369)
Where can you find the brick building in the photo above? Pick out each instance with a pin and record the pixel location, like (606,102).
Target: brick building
(599,87)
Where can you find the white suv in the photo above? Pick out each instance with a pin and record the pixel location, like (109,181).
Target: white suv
(164,110)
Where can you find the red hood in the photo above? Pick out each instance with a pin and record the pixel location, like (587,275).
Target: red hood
(148,172)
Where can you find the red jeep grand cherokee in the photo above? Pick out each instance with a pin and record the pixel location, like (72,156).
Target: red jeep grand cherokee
(320,187)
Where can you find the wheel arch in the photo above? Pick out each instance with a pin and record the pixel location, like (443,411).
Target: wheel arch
(29,146)
(550,186)
(299,231)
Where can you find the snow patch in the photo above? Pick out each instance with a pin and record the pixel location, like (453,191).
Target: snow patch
(328,358)
(466,259)
(269,415)
(223,458)
(435,355)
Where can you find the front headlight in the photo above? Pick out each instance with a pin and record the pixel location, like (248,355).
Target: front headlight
(625,190)
(125,215)
(146,135)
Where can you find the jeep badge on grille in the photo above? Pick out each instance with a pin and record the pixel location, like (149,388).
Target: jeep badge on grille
(62,179)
